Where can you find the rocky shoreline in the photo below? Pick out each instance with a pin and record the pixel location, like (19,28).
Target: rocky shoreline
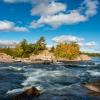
(41,58)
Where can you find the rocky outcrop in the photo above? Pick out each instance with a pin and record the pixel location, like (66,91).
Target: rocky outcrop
(94,88)
(5,58)
(45,55)
(27,94)
(84,57)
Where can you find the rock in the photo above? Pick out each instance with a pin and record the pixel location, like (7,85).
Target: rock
(5,58)
(94,88)
(29,93)
(44,55)
(84,57)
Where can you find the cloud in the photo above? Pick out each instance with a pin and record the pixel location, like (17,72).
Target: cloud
(7,43)
(84,46)
(56,13)
(91,44)
(20,29)
(31,1)
(15,1)
(67,38)
(48,9)
(10,26)
(91,7)
(58,20)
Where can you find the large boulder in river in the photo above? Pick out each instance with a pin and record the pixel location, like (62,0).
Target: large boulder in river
(27,94)
(94,88)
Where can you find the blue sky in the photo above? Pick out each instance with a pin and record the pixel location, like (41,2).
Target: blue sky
(56,20)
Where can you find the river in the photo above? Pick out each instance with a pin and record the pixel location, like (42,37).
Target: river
(56,80)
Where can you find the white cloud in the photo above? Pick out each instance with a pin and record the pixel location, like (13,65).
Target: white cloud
(16,1)
(48,8)
(91,7)
(31,1)
(91,47)
(55,14)
(59,19)
(84,46)
(20,29)
(67,38)
(91,44)
(10,26)
(10,1)
(7,43)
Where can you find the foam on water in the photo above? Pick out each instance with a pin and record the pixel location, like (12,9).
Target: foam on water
(55,76)
(43,78)
(18,90)
(93,72)
(97,63)
(12,68)
(14,91)
(15,68)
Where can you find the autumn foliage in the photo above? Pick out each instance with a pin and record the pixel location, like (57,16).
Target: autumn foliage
(67,50)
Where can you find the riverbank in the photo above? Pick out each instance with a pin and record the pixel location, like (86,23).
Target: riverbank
(43,57)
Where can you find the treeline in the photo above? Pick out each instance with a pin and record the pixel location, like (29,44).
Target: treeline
(66,50)
(93,54)
(25,49)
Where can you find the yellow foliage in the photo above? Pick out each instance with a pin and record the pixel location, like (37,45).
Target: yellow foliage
(69,51)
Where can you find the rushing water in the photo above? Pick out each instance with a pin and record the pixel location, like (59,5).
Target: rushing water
(56,80)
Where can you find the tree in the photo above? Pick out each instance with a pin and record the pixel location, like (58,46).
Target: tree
(41,44)
(52,49)
(25,49)
(67,50)
(24,44)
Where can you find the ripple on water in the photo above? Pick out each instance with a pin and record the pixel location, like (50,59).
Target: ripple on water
(94,72)
(46,77)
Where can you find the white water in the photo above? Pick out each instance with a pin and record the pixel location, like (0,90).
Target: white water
(42,78)
(12,68)
(94,72)
(19,90)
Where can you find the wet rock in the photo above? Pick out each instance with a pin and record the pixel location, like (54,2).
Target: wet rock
(94,88)
(28,94)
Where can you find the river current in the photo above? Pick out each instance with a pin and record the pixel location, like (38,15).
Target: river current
(58,81)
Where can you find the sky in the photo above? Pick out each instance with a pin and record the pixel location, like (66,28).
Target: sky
(56,20)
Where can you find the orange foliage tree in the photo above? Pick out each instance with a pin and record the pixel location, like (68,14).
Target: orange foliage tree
(67,50)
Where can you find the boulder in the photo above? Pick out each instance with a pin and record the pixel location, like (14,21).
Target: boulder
(85,57)
(44,56)
(94,88)
(29,93)
(5,58)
